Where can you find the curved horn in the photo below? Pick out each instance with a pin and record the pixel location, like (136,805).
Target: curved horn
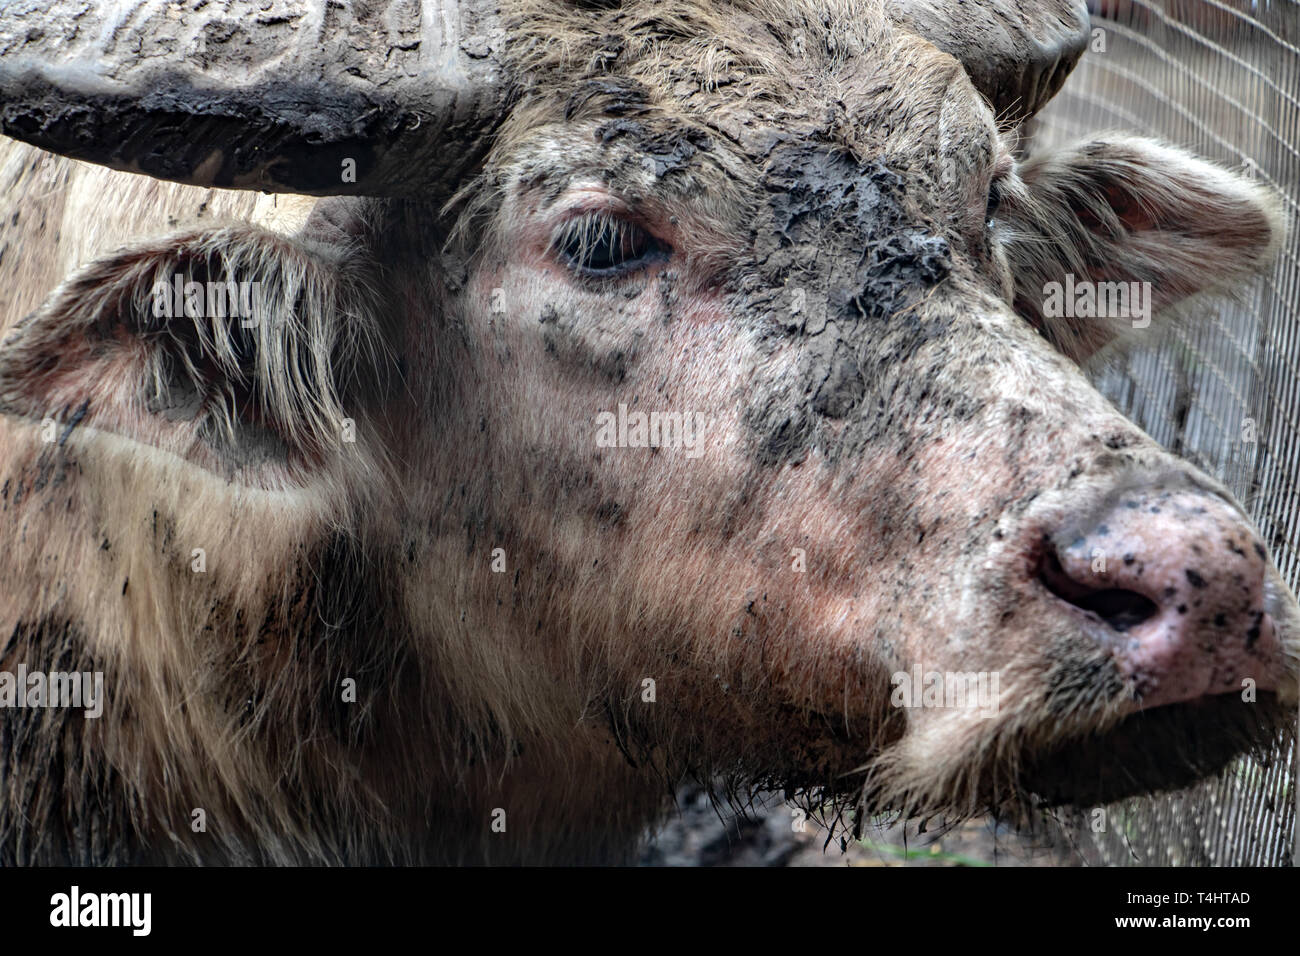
(275,95)
(1016,52)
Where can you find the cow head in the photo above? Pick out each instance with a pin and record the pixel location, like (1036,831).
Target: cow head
(706,395)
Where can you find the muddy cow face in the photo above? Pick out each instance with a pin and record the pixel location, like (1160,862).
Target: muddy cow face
(735,421)
(801,442)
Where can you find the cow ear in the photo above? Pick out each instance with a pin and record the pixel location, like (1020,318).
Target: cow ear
(1105,235)
(225,347)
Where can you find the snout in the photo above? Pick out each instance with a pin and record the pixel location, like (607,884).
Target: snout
(1174,583)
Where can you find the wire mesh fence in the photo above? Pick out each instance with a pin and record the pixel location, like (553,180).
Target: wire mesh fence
(1222,79)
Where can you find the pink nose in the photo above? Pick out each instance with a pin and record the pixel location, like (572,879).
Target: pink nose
(1177,579)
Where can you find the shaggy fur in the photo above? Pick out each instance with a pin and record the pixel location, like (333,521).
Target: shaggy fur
(499,588)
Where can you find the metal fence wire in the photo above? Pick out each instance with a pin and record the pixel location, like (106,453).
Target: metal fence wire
(1222,78)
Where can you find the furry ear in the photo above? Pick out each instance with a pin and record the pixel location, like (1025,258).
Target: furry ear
(231,348)
(1104,235)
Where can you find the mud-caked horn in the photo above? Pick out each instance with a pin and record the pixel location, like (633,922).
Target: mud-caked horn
(1016,52)
(298,96)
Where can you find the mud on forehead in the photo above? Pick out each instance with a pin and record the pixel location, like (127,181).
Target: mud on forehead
(675,175)
(690,174)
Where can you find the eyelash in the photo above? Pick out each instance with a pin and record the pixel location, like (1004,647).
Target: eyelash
(602,245)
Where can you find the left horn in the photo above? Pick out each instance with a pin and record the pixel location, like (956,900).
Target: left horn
(276,95)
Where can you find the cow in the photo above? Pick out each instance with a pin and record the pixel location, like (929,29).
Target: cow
(389,562)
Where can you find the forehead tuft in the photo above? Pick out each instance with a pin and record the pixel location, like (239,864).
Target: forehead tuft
(823,67)
(679,55)
(829,68)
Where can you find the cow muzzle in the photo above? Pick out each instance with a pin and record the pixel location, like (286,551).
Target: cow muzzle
(1175,583)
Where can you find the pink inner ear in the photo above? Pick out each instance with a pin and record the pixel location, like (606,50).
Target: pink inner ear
(106,380)
(103,374)
(1132,214)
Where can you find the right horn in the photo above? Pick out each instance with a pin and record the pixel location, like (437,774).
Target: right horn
(1016,52)
(292,96)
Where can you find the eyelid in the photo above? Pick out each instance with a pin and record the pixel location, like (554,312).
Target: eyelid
(590,196)
(601,224)
(592,223)
(590,199)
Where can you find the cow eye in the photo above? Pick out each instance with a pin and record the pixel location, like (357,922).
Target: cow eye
(603,246)
(995,201)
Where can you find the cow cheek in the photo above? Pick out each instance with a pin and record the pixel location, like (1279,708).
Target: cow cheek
(563,491)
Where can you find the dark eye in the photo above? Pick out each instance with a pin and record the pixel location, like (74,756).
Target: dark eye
(995,201)
(602,245)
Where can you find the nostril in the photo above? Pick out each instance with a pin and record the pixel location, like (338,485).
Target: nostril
(1119,608)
